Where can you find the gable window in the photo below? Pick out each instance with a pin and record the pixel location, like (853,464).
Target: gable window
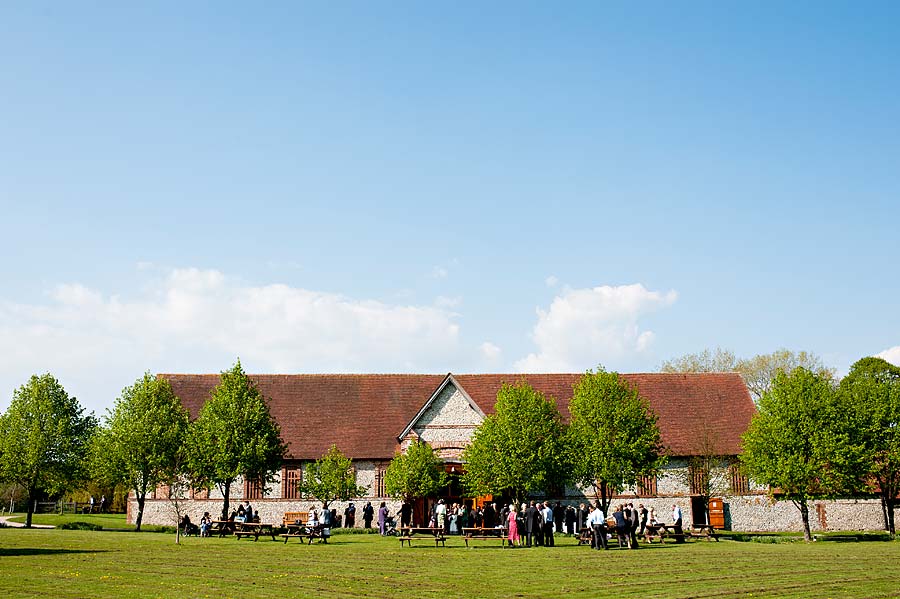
(254,488)
(699,480)
(380,469)
(646,486)
(740,482)
(290,480)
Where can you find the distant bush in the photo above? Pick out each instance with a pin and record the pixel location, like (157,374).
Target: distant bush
(354,531)
(80,526)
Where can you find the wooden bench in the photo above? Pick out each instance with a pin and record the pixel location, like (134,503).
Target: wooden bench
(485,534)
(253,529)
(409,534)
(299,535)
(410,538)
(302,531)
(293,517)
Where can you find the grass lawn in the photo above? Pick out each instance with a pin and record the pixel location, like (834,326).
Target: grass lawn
(61,563)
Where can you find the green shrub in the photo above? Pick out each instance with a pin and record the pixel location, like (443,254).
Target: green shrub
(80,526)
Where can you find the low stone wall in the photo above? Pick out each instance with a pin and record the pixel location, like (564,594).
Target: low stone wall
(161,511)
(759,513)
(746,513)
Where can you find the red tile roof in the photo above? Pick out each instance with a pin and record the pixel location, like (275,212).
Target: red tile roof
(364,413)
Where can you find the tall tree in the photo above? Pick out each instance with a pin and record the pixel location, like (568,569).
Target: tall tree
(613,435)
(718,360)
(801,441)
(872,389)
(234,435)
(758,372)
(416,473)
(331,478)
(142,437)
(519,449)
(44,438)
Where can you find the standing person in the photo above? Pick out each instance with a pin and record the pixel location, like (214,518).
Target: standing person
(642,511)
(531,524)
(327,522)
(440,515)
(489,516)
(405,514)
(581,515)
(548,525)
(598,527)
(350,515)
(559,516)
(504,516)
(382,517)
(91,505)
(633,525)
(102,503)
(368,514)
(570,520)
(464,516)
(513,526)
(621,526)
(248,513)
(676,523)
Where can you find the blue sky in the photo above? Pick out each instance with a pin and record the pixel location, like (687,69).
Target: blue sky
(408,187)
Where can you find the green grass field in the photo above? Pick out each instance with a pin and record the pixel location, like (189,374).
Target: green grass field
(82,564)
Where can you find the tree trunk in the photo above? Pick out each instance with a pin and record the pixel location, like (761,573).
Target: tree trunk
(604,498)
(804,514)
(32,497)
(887,503)
(226,491)
(141,497)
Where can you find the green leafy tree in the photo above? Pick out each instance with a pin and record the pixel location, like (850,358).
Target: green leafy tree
(872,389)
(142,438)
(44,440)
(758,372)
(234,435)
(613,435)
(331,478)
(416,473)
(801,441)
(519,449)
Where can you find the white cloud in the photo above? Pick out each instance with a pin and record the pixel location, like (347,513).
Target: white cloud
(439,272)
(551,281)
(490,352)
(584,327)
(892,355)
(191,320)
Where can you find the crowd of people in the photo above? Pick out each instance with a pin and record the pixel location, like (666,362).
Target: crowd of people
(530,524)
(537,523)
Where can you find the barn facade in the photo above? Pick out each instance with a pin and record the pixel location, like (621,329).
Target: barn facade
(370,417)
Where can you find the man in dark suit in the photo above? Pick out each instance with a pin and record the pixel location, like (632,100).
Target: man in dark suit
(490,518)
(531,524)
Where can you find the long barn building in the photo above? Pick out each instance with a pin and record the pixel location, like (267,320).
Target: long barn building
(370,417)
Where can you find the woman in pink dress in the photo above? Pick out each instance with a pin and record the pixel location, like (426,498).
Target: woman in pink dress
(513,527)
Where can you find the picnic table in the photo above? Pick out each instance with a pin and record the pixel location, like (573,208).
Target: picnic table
(431,533)
(484,534)
(301,531)
(660,530)
(253,529)
(222,527)
(706,531)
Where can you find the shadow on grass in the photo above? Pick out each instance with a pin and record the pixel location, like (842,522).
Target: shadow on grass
(20,551)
